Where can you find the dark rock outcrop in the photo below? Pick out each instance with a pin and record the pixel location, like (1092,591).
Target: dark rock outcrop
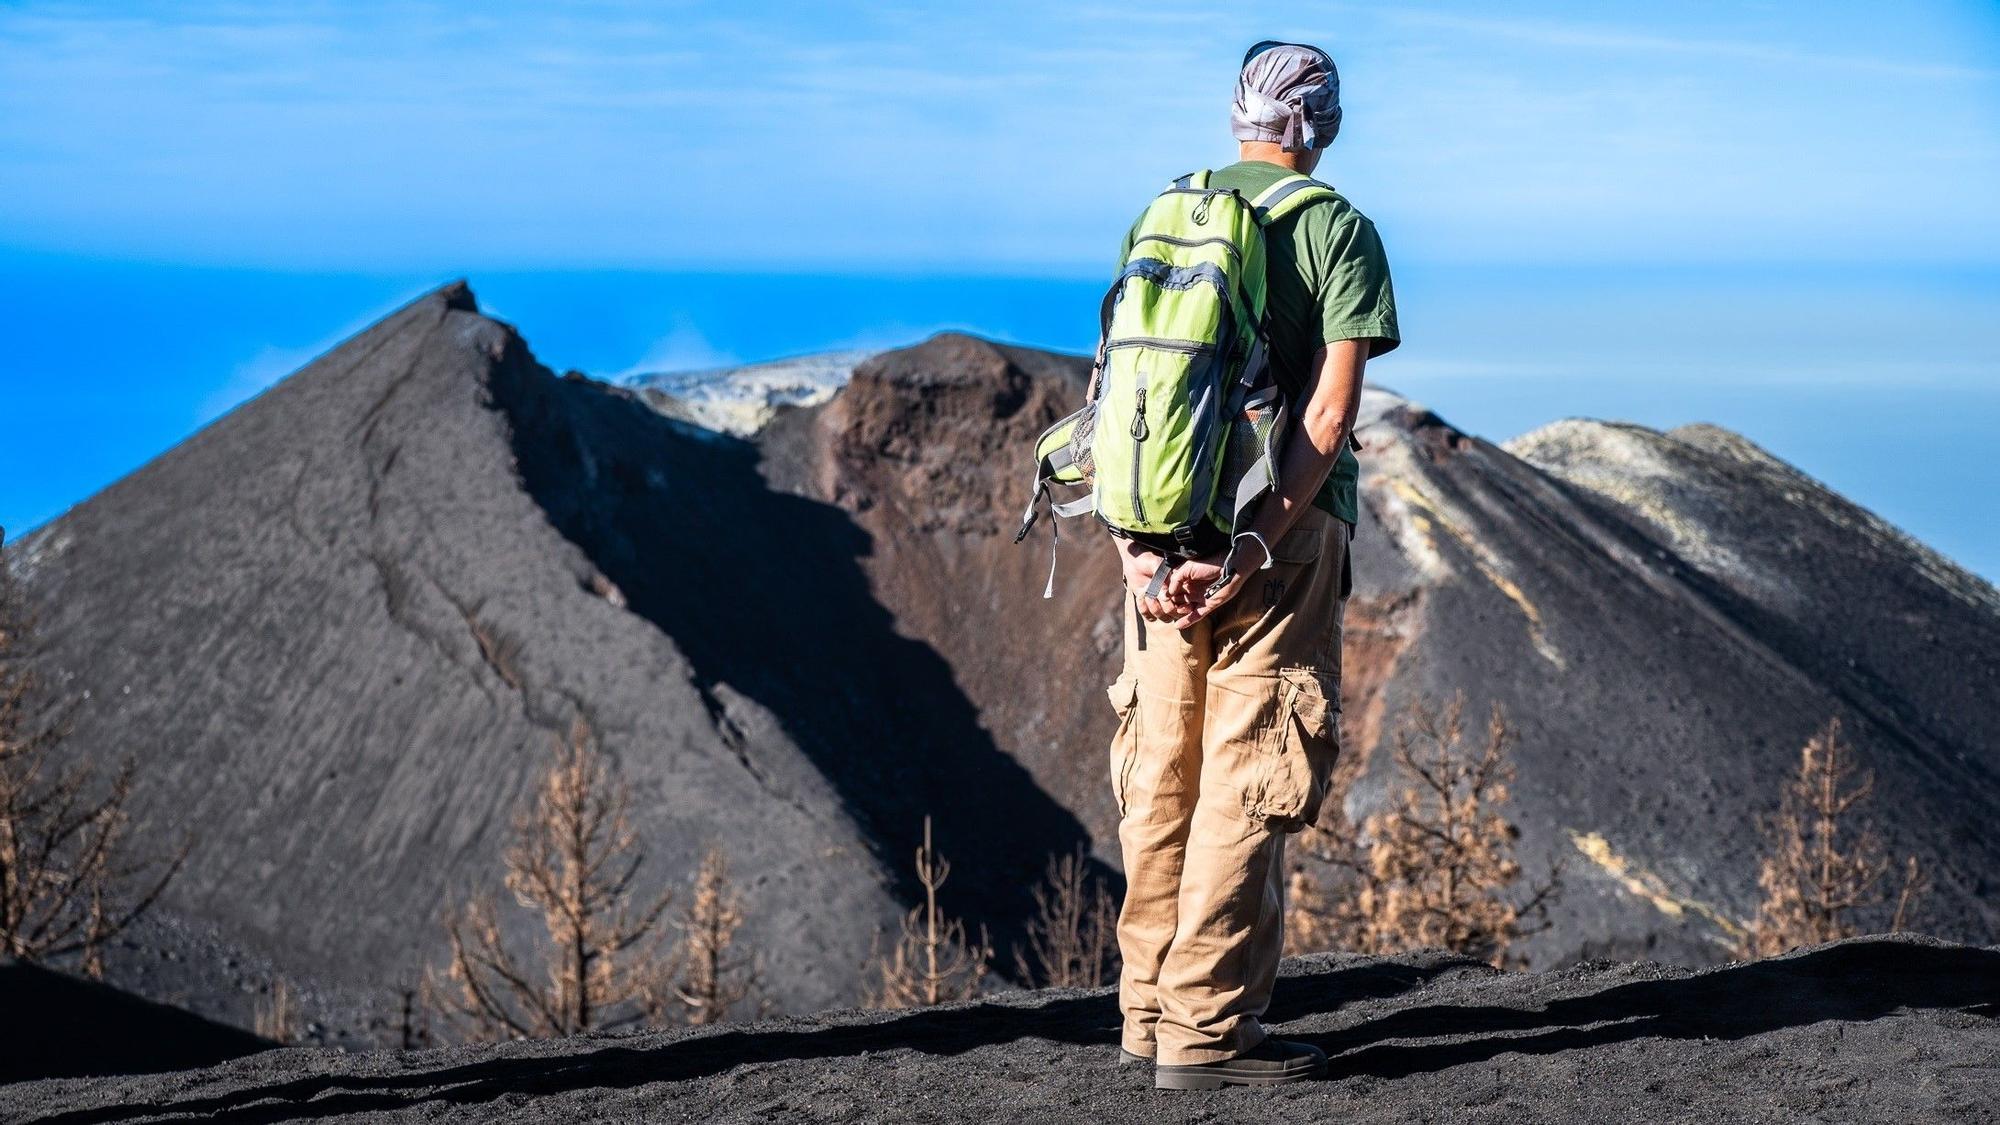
(924,449)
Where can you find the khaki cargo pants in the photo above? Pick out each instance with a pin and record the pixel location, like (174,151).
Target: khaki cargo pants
(1227,735)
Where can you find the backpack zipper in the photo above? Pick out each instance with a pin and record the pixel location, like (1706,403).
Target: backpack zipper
(1138,441)
(1235,254)
(1159,344)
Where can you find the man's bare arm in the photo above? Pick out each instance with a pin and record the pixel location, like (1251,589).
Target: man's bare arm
(1317,435)
(1320,431)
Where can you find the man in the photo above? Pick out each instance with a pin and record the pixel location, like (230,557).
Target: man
(1229,702)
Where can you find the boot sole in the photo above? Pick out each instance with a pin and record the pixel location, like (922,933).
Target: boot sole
(1216,1077)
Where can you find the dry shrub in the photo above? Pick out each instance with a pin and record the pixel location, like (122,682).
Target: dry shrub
(1436,867)
(277,1016)
(70,881)
(933,960)
(573,862)
(1825,862)
(705,976)
(1916,881)
(1073,938)
(1322,906)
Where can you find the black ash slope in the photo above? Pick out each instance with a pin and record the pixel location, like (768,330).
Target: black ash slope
(340,628)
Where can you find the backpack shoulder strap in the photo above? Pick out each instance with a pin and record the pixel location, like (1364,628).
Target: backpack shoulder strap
(1286,196)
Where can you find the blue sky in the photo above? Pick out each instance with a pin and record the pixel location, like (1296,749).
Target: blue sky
(1776,216)
(1003,137)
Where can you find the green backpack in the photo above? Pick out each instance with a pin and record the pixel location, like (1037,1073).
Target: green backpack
(1179,433)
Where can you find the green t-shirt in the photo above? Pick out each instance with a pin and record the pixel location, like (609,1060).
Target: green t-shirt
(1327,280)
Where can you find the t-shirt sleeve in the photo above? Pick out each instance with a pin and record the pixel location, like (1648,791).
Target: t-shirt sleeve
(1357,301)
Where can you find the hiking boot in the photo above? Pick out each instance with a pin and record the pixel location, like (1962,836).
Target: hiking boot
(1270,1063)
(1127,1058)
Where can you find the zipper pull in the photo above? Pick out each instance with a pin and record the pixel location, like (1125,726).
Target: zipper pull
(1139,418)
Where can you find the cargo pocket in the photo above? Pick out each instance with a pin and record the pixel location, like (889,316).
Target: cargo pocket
(1299,752)
(1124,694)
(1265,588)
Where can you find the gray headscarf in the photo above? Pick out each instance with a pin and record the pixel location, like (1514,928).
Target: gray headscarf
(1288,93)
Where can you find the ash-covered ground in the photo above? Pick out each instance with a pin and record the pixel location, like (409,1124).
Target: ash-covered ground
(1897,1029)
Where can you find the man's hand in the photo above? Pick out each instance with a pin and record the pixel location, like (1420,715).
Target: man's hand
(1189,586)
(1139,565)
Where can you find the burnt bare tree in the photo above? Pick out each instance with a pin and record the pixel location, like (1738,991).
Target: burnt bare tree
(71,878)
(1825,863)
(934,959)
(1073,937)
(1436,867)
(1916,881)
(574,862)
(707,976)
(277,1017)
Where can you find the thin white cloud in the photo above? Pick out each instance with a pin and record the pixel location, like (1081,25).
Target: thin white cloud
(1598,38)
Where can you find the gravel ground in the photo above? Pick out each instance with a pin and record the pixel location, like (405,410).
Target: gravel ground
(1873,1029)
